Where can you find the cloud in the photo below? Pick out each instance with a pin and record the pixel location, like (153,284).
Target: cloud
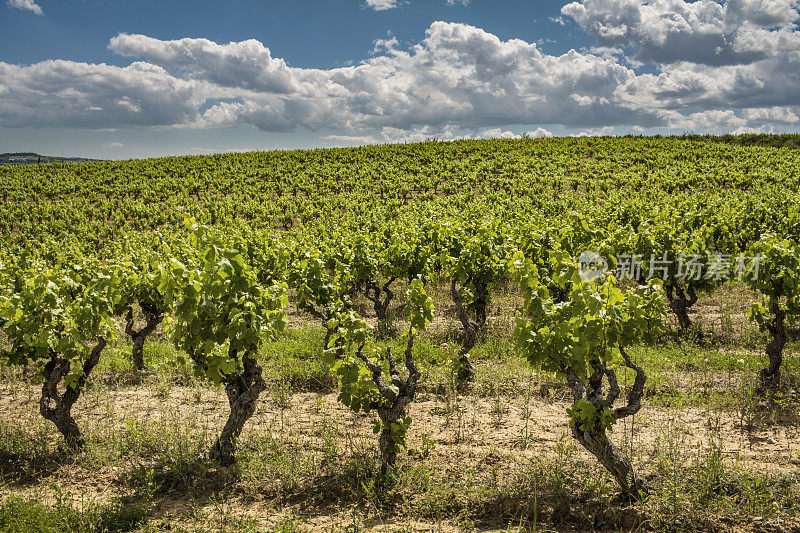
(499,133)
(760,129)
(781,115)
(420,134)
(538,132)
(246,64)
(352,139)
(426,133)
(461,75)
(65,93)
(382,5)
(388,45)
(720,59)
(27,5)
(705,31)
(457,79)
(458,75)
(717,119)
(687,85)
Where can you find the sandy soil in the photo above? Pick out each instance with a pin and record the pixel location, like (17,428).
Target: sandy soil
(487,435)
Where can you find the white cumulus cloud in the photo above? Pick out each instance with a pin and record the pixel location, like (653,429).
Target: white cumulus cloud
(382,5)
(704,31)
(457,79)
(66,93)
(27,5)
(246,64)
(458,75)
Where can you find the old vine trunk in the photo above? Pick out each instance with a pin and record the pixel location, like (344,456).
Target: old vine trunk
(153,318)
(57,407)
(769,377)
(243,389)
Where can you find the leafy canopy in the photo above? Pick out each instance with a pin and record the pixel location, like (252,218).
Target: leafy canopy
(219,302)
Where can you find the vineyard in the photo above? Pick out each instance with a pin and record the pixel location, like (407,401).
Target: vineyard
(540,334)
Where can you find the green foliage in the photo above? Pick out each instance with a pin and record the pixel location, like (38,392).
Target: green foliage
(419,306)
(398,430)
(139,264)
(777,279)
(80,244)
(588,329)
(218,302)
(18,515)
(56,310)
(357,388)
(591,324)
(319,285)
(361,371)
(589,417)
(774,140)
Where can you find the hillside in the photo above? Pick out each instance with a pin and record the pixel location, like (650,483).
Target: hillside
(281,293)
(31,158)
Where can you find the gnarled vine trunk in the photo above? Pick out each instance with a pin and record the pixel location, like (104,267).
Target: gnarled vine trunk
(465,372)
(596,440)
(153,317)
(243,389)
(481,303)
(373,292)
(770,377)
(680,301)
(387,447)
(613,459)
(395,401)
(57,407)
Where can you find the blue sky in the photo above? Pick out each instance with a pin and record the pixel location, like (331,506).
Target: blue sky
(314,33)
(114,79)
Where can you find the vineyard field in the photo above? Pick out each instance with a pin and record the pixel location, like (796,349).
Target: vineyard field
(563,334)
